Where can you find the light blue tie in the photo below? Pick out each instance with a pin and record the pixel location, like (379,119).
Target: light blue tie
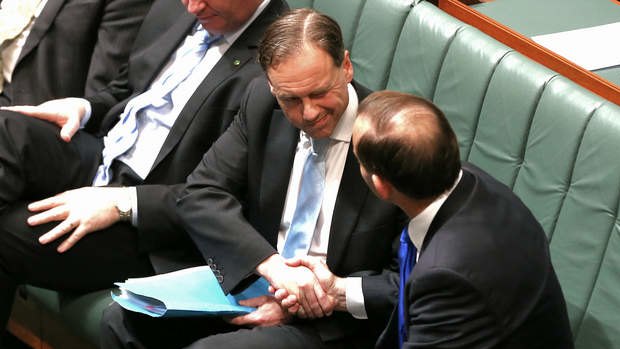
(309,201)
(406,260)
(125,133)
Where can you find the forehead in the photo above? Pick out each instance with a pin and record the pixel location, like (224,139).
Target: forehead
(304,71)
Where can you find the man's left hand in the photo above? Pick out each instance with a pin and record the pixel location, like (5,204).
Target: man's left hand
(269,312)
(81,211)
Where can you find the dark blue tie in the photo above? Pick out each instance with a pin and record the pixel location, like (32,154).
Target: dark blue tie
(406,260)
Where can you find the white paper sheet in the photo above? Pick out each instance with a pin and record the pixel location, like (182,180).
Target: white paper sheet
(592,48)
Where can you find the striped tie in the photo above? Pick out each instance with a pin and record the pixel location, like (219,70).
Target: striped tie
(124,134)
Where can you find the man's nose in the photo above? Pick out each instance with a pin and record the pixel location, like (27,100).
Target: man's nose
(194,6)
(311,110)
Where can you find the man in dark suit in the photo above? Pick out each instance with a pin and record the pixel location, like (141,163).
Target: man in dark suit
(71,49)
(483,277)
(239,206)
(135,231)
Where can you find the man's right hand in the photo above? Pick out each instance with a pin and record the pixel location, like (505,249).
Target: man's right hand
(298,282)
(67,113)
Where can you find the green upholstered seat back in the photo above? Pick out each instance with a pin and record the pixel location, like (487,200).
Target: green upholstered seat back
(550,140)
(370,30)
(554,143)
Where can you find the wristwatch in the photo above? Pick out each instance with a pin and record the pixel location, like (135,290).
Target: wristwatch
(124,210)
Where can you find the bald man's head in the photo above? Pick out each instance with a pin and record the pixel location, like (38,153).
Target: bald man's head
(407,141)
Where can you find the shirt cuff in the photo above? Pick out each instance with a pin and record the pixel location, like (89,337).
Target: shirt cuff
(132,192)
(88,110)
(355,298)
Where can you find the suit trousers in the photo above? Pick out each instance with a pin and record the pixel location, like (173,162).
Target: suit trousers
(35,163)
(125,329)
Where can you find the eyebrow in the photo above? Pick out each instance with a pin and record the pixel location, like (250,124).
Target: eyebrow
(320,91)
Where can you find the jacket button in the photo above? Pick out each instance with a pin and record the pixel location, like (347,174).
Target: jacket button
(220,278)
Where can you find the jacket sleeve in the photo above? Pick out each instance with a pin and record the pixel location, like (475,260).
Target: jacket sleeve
(446,311)
(211,206)
(158,222)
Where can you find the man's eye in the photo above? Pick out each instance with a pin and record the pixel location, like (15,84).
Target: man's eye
(288,100)
(318,95)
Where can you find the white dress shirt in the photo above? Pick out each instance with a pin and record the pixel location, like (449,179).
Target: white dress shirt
(418,225)
(11,51)
(152,133)
(154,126)
(335,159)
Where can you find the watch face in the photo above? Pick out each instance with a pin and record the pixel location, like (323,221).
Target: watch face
(123,207)
(124,210)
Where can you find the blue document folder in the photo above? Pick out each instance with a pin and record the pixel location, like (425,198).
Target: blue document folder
(187,292)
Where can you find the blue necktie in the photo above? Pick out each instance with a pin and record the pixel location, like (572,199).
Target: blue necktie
(406,260)
(309,201)
(125,133)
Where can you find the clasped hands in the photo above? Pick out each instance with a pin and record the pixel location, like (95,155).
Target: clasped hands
(302,287)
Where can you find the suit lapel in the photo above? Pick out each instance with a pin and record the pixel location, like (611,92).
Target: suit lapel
(155,56)
(351,196)
(451,206)
(40,27)
(277,165)
(234,59)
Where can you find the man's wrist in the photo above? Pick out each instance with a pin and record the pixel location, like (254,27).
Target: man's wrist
(340,293)
(266,267)
(124,205)
(87,111)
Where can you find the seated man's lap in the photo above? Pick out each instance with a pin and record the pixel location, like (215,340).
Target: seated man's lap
(95,262)
(35,162)
(125,329)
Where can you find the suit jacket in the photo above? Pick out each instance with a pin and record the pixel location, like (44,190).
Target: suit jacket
(234,200)
(206,115)
(484,277)
(75,48)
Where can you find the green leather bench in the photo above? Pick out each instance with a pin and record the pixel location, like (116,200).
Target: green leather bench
(550,140)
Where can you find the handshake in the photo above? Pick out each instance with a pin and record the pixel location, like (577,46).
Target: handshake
(302,287)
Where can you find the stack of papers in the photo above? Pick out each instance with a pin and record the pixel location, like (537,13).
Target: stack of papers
(592,48)
(187,292)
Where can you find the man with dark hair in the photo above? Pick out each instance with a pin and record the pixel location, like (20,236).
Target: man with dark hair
(483,276)
(189,67)
(281,182)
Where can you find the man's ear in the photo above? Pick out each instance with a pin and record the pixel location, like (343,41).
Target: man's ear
(347,66)
(383,188)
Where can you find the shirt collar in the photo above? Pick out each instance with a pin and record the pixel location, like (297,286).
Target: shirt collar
(344,129)
(231,37)
(418,226)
